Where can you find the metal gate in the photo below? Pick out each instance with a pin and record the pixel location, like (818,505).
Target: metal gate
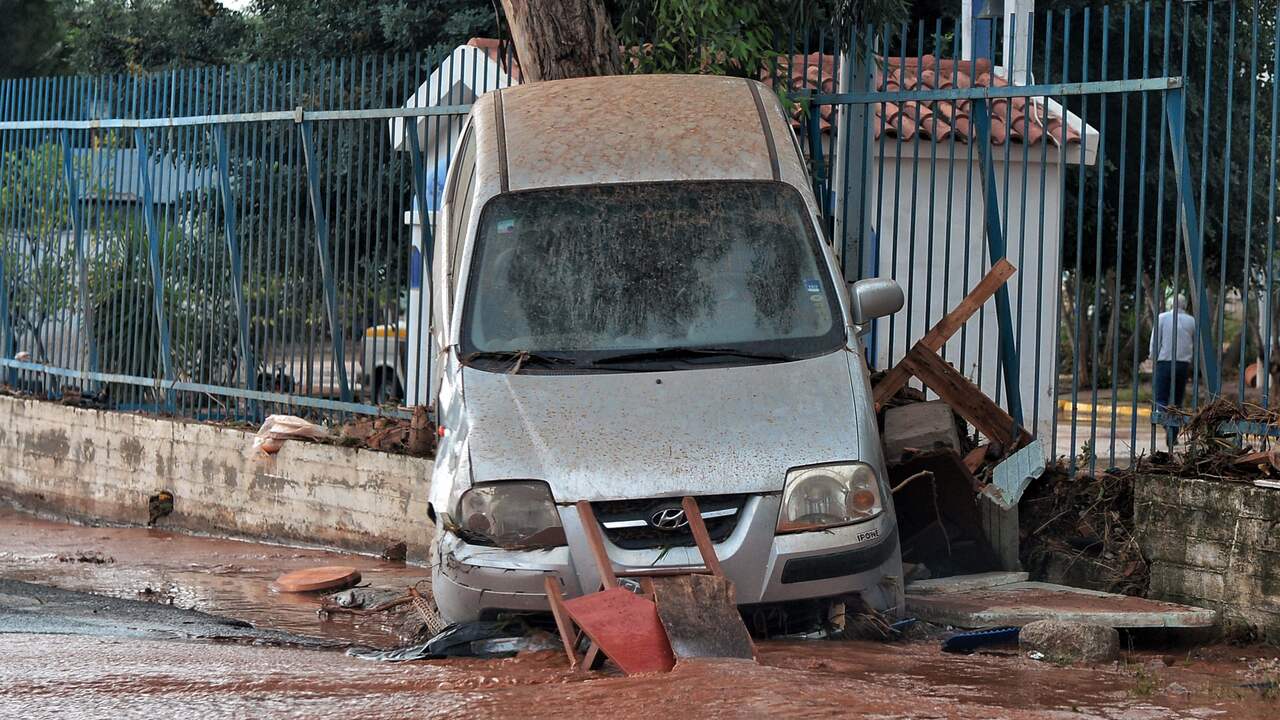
(934,162)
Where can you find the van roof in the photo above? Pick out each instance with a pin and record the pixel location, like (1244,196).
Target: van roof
(635,128)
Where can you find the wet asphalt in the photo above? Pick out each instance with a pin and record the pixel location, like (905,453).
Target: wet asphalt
(28,608)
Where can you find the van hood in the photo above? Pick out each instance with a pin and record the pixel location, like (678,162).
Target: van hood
(611,436)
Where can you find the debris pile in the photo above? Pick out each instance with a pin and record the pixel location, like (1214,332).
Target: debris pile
(940,473)
(414,436)
(1079,531)
(1219,446)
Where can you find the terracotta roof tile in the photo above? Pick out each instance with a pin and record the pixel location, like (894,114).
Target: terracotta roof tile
(1015,120)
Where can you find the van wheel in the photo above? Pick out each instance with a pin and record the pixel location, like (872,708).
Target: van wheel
(386,388)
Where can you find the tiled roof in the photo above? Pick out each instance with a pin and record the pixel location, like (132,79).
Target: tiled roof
(938,119)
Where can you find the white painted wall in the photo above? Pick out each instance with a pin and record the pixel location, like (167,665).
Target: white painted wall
(934,202)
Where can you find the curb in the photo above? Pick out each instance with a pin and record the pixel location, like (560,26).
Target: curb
(1083,408)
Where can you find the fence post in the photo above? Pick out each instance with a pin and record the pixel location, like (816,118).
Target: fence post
(849,165)
(82,255)
(428,249)
(237,264)
(7,112)
(996,248)
(6,350)
(153,258)
(322,247)
(1189,224)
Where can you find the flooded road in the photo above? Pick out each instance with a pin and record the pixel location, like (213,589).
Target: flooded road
(214,575)
(83,676)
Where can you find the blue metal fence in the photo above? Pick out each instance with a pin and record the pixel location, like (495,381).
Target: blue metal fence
(1109,155)
(234,241)
(225,242)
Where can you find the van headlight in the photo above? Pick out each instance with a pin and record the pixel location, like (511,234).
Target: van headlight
(829,495)
(512,515)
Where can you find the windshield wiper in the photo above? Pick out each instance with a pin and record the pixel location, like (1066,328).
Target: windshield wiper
(682,353)
(518,358)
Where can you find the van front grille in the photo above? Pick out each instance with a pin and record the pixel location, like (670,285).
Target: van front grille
(635,525)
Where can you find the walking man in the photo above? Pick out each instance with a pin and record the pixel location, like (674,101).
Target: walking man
(1172,344)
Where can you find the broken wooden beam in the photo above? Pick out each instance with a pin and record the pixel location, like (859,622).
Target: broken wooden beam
(964,397)
(938,335)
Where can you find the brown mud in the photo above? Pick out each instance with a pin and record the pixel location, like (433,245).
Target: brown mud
(213,575)
(69,676)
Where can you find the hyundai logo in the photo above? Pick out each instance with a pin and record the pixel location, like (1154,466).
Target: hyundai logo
(672,518)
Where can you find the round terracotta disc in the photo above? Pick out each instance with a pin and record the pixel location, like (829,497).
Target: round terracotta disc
(332,577)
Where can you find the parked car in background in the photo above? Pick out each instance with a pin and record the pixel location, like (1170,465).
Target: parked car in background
(637,304)
(382,362)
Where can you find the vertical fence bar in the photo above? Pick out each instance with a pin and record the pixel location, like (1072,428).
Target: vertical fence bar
(157,270)
(996,249)
(237,264)
(8,102)
(1098,274)
(1226,188)
(76,209)
(1269,276)
(1138,268)
(318,216)
(1193,240)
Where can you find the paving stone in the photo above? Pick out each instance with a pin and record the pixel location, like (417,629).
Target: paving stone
(1070,642)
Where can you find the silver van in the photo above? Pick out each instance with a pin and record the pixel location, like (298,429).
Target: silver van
(635,303)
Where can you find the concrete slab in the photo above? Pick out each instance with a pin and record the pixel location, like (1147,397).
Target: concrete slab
(957,583)
(920,426)
(1019,603)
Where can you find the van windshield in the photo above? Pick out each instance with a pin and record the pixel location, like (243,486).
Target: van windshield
(647,276)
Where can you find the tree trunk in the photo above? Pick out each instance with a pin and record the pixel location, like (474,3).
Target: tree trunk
(557,39)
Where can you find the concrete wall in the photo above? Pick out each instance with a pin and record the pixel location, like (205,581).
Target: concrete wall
(98,464)
(1213,544)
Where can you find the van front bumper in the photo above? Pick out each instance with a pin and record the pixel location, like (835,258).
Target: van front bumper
(473,581)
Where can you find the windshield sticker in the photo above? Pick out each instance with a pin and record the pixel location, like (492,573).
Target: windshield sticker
(812,285)
(506,226)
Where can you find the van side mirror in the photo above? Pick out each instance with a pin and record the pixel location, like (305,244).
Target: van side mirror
(874,298)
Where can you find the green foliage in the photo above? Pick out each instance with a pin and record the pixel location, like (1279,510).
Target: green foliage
(709,37)
(138,36)
(135,36)
(32,37)
(731,37)
(332,28)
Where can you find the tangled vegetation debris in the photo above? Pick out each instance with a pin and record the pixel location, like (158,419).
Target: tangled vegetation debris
(1079,531)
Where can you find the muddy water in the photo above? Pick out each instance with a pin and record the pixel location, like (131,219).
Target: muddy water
(83,677)
(219,576)
(80,677)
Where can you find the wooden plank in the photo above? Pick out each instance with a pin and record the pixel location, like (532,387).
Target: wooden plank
(963,396)
(701,617)
(942,331)
(563,624)
(626,627)
(701,536)
(977,457)
(596,542)
(593,659)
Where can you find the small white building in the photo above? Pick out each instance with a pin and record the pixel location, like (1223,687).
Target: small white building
(468,72)
(925,210)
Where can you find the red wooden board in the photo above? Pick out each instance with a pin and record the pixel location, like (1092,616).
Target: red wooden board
(626,627)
